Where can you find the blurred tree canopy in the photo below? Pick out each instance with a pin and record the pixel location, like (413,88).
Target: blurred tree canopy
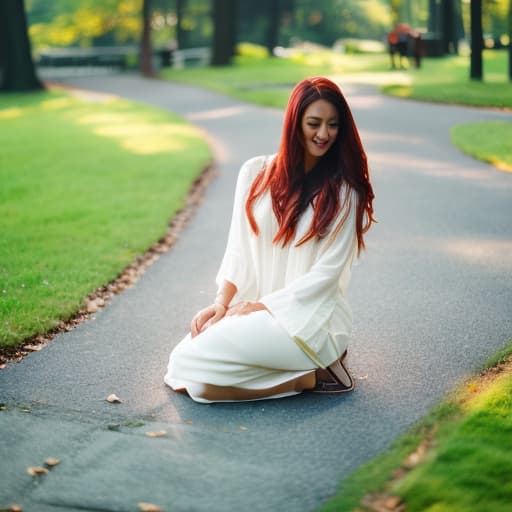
(190,23)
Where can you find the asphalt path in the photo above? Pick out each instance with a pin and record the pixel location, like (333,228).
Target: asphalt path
(431,297)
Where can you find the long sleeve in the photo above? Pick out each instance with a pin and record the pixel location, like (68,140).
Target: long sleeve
(236,264)
(305,305)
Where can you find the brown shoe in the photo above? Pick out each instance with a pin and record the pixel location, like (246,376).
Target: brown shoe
(340,380)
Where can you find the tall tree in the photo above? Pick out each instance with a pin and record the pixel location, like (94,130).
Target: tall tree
(17,71)
(274,19)
(510,40)
(224,32)
(146,60)
(476,70)
(181,35)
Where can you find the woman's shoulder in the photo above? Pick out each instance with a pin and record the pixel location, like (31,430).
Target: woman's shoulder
(252,167)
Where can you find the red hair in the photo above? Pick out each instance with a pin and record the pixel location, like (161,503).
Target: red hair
(292,189)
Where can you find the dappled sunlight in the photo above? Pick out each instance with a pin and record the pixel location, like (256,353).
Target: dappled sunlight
(217,113)
(146,129)
(391,137)
(487,253)
(12,113)
(104,118)
(56,103)
(375,78)
(435,168)
(144,138)
(92,96)
(151,144)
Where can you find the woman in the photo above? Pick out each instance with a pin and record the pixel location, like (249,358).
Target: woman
(280,324)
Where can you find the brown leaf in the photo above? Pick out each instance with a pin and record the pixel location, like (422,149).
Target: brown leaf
(12,508)
(33,348)
(149,507)
(158,433)
(51,462)
(37,470)
(113,399)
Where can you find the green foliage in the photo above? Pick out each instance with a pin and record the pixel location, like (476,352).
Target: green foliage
(484,141)
(251,50)
(88,183)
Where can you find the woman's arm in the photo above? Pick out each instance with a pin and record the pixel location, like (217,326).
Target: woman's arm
(213,313)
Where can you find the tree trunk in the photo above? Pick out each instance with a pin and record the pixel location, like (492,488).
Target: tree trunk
(224,32)
(433,16)
(146,60)
(17,71)
(274,20)
(510,40)
(448,26)
(181,35)
(476,72)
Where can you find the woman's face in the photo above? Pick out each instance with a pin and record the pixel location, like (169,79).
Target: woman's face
(319,129)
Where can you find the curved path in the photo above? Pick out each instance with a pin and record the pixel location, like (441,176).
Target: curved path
(431,297)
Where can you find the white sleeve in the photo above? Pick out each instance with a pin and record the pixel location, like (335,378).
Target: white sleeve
(236,264)
(306,304)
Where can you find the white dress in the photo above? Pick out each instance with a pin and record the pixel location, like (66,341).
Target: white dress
(308,322)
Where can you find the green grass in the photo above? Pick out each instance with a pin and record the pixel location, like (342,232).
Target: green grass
(490,141)
(87,184)
(446,80)
(268,81)
(469,464)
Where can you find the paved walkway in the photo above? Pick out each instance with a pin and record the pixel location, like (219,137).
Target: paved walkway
(431,298)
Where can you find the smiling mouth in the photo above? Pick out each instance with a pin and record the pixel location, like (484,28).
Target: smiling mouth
(320,145)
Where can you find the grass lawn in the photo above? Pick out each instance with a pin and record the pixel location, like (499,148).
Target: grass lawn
(490,141)
(447,80)
(88,184)
(459,458)
(269,81)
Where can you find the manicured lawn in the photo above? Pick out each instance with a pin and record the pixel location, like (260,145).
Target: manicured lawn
(268,81)
(86,186)
(463,463)
(447,80)
(489,141)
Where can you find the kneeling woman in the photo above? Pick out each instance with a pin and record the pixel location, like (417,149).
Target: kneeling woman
(280,323)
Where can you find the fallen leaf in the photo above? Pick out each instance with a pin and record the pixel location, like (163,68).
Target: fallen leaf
(33,348)
(149,507)
(2,366)
(363,377)
(243,428)
(12,508)
(37,470)
(158,433)
(50,461)
(113,399)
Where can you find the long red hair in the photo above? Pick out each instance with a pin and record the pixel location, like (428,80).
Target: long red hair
(292,189)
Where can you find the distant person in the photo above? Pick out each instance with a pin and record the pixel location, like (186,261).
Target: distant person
(402,49)
(393,48)
(280,323)
(418,49)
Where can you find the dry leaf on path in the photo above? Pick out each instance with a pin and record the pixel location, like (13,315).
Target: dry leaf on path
(149,507)
(158,433)
(12,508)
(113,399)
(51,462)
(33,348)
(37,470)
(243,428)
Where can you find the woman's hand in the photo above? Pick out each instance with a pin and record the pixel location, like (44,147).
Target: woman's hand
(207,317)
(244,308)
